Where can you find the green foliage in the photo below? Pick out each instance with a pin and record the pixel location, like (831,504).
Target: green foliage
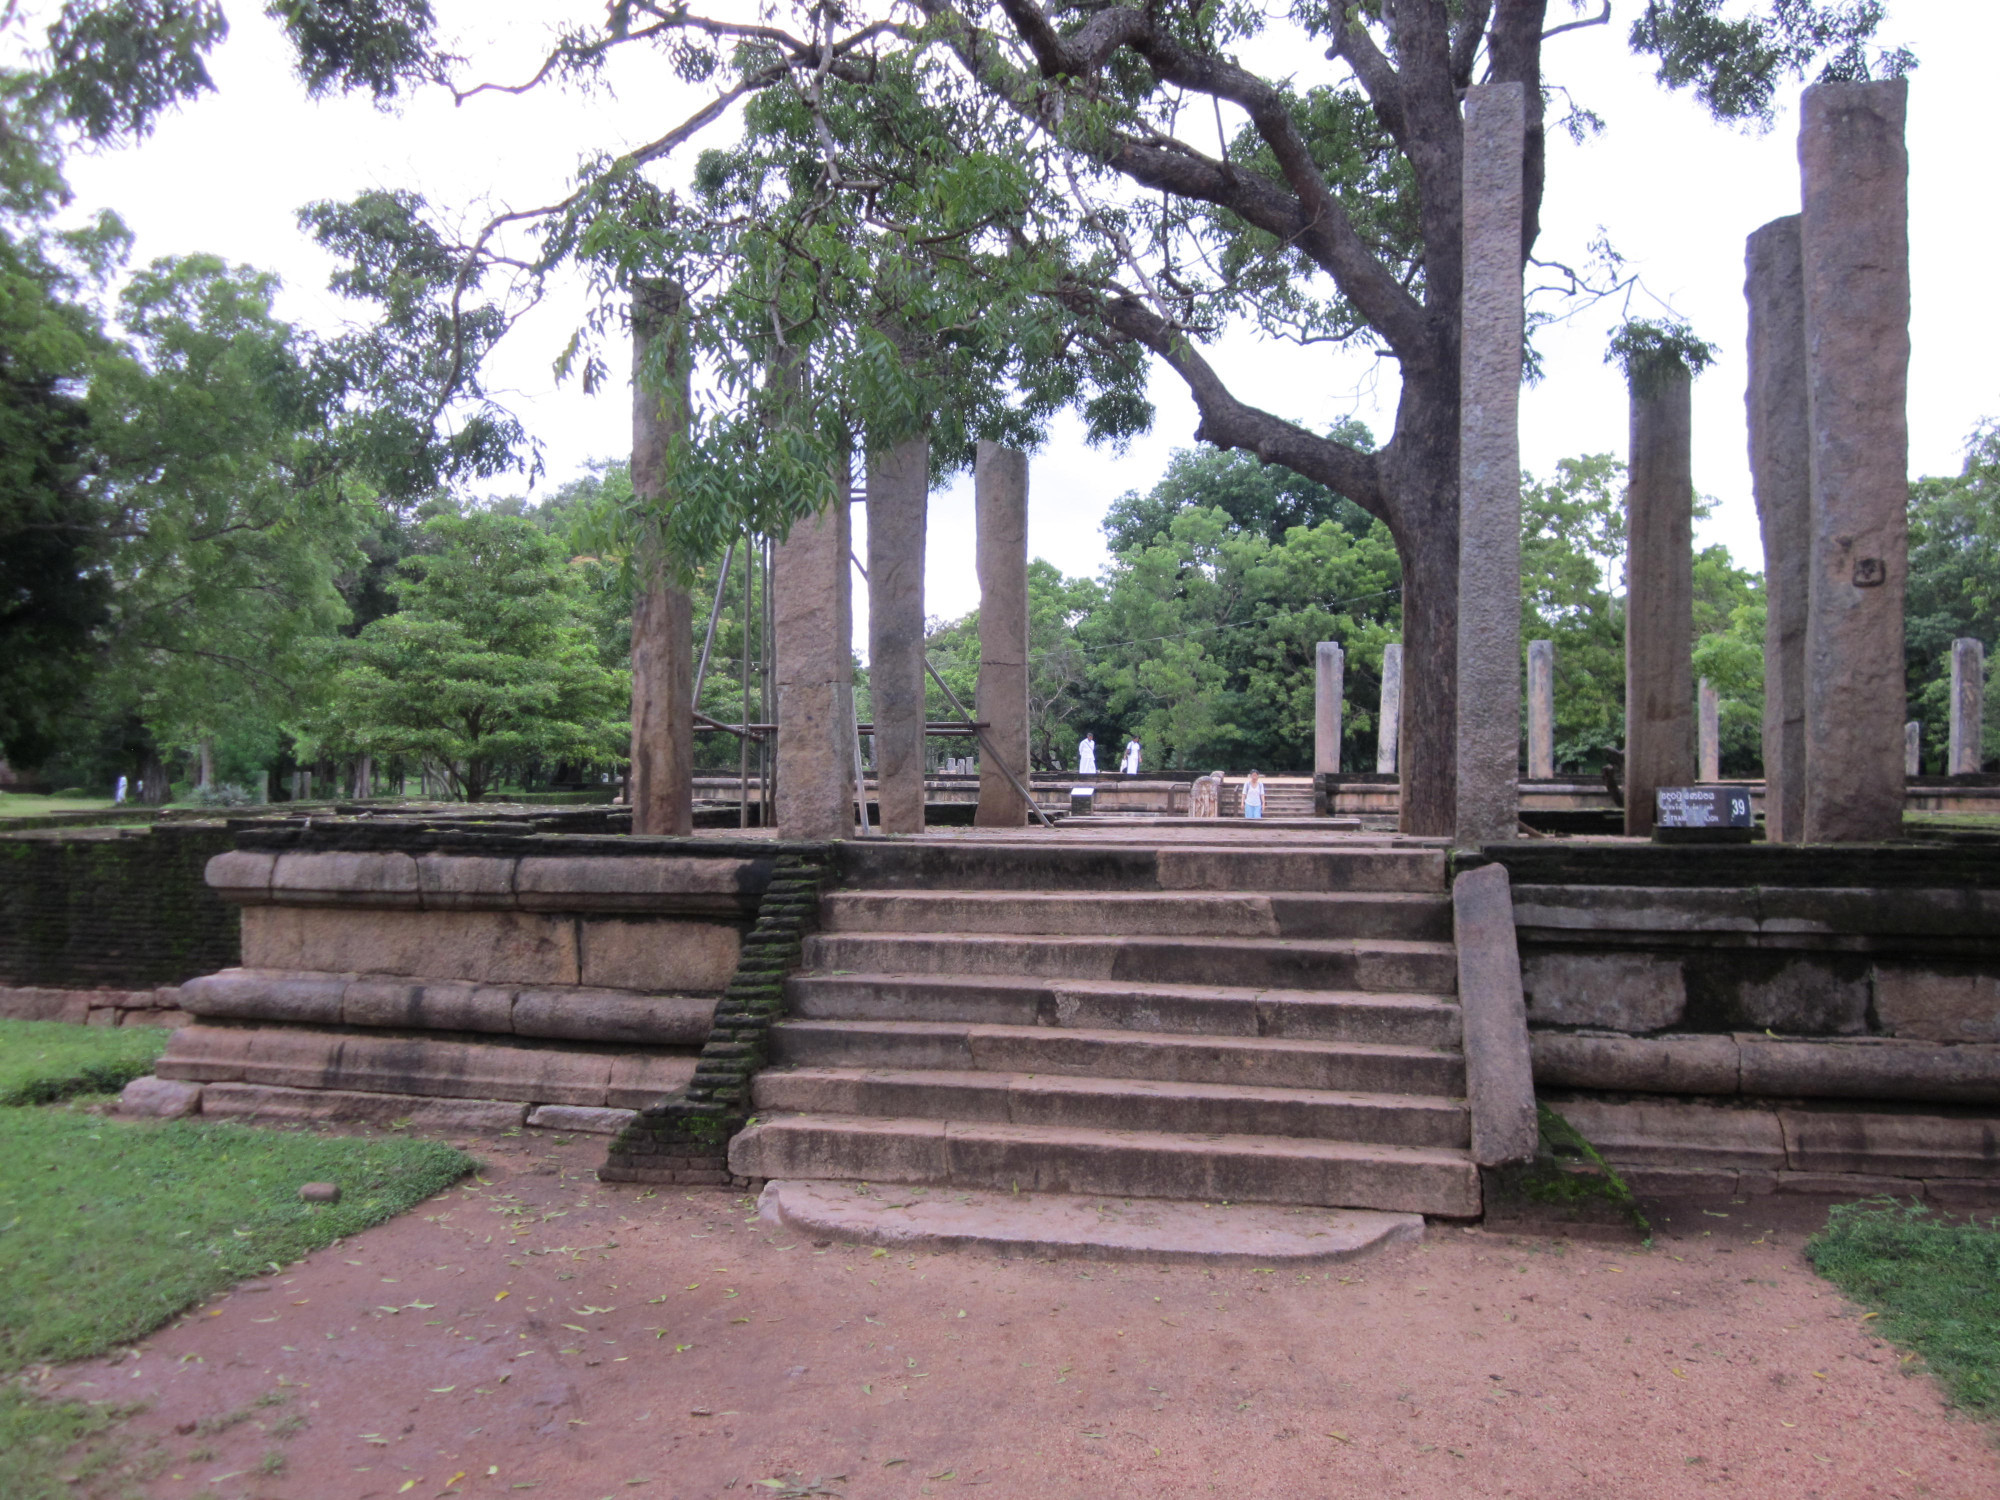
(41,1061)
(1572,594)
(1255,496)
(54,593)
(1935,1282)
(114,1227)
(488,662)
(1734,64)
(1648,352)
(1954,585)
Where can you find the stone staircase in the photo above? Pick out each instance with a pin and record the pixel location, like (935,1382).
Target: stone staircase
(1284,797)
(1231,1022)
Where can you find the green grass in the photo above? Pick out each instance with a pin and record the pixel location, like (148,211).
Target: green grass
(1935,1282)
(24,805)
(48,1448)
(41,1061)
(109,1228)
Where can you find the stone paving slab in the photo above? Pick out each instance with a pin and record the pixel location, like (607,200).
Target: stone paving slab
(1061,1225)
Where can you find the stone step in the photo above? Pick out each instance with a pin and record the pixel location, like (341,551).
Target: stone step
(542,1072)
(1114,1103)
(1137,1164)
(1410,1020)
(1261,1062)
(1292,963)
(1346,914)
(957,865)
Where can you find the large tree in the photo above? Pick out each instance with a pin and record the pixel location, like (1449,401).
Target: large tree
(935,201)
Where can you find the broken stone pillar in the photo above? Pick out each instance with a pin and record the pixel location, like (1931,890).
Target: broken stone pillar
(812,596)
(1659,589)
(1781,479)
(1913,749)
(1329,688)
(662,781)
(1854,244)
(1489,471)
(898,497)
(1389,717)
(1000,500)
(1542,709)
(1968,706)
(1708,729)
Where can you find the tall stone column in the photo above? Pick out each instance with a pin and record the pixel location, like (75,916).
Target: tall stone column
(1489,471)
(1913,748)
(1000,500)
(812,595)
(1968,706)
(1389,718)
(1708,731)
(662,784)
(1329,688)
(1854,243)
(1659,590)
(1541,709)
(898,498)
(1781,479)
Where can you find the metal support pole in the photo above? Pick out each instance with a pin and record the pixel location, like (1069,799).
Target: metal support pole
(714,614)
(986,746)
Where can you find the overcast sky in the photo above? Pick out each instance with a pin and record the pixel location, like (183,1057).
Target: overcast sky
(1675,193)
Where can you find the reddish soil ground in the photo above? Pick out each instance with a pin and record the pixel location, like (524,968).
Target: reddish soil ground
(538,1332)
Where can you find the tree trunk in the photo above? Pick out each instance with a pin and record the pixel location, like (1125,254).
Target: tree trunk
(207,763)
(154,787)
(1421,480)
(662,784)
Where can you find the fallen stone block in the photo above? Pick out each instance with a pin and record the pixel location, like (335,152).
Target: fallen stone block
(155,1098)
(582,1121)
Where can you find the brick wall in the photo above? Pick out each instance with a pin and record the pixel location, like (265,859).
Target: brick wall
(113,908)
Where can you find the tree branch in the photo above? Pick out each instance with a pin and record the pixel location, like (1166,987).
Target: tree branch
(1227,422)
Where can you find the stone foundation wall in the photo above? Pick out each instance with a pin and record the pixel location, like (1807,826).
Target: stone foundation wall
(113,909)
(1770,1018)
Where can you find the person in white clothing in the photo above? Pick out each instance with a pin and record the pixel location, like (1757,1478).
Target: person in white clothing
(1253,796)
(1129,766)
(1086,756)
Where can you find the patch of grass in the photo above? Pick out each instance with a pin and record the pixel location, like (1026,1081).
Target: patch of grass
(42,1061)
(48,1447)
(109,1228)
(1935,1282)
(26,805)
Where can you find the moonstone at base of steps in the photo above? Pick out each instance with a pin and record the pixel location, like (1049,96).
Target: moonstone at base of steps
(1052,1225)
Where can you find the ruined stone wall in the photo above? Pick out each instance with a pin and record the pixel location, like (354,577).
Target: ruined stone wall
(113,909)
(1760,1017)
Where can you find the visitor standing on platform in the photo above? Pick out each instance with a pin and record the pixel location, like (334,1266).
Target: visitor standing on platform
(1129,766)
(1253,796)
(1086,756)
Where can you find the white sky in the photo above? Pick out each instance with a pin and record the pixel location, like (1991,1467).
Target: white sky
(1676,194)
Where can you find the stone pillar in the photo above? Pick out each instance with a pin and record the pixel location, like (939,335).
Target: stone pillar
(1659,590)
(1329,689)
(1708,731)
(662,781)
(1968,706)
(812,588)
(1541,709)
(898,496)
(1781,479)
(1913,749)
(1854,243)
(1489,471)
(1000,499)
(1389,718)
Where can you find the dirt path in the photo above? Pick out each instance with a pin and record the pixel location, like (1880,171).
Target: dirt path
(539,1332)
